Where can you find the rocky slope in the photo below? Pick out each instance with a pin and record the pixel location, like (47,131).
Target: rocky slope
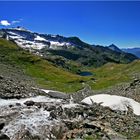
(11,88)
(130,90)
(46,117)
(28,113)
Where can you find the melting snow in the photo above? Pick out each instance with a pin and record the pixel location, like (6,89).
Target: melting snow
(114,102)
(4,102)
(29,44)
(23,43)
(47,91)
(31,122)
(40,38)
(12,33)
(56,43)
(36,121)
(71,105)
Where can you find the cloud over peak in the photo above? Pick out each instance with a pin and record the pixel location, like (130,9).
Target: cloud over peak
(7,23)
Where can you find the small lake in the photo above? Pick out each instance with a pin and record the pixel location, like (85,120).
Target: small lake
(85,73)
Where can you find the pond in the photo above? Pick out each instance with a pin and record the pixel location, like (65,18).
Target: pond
(85,73)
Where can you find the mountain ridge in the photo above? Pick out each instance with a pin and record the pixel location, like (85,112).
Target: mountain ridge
(114,47)
(135,51)
(64,48)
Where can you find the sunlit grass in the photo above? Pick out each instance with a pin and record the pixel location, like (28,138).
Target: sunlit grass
(48,76)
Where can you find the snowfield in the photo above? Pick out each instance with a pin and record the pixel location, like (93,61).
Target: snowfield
(32,41)
(114,102)
(40,38)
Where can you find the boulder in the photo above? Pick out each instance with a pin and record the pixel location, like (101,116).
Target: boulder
(56,94)
(29,103)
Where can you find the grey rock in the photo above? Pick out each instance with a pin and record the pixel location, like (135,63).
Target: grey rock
(29,103)
(59,95)
(4,137)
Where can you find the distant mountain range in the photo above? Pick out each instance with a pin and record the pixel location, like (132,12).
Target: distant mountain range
(135,51)
(60,50)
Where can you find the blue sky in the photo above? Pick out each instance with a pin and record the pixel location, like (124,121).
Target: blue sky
(101,22)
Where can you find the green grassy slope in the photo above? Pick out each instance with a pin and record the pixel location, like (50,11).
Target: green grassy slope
(112,74)
(45,74)
(48,76)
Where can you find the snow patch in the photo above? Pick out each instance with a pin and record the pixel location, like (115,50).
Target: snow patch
(71,105)
(29,44)
(4,102)
(56,43)
(12,33)
(47,91)
(40,38)
(31,122)
(114,102)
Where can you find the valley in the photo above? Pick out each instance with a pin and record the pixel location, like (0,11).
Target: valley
(66,89)
(69,70)
(60,60)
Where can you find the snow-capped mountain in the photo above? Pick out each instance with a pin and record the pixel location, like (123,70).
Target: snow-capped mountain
(30,40)
(54,47)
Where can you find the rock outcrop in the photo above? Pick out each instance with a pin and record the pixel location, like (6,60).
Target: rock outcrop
(55,115)
(63,120)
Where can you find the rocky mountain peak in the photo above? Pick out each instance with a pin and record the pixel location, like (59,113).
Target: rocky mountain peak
(20,28)
(114,48)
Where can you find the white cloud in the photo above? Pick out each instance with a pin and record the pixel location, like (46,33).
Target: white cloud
(16,21)
(5,23)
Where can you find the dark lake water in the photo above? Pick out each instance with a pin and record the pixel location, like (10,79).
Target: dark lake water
(85,73)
